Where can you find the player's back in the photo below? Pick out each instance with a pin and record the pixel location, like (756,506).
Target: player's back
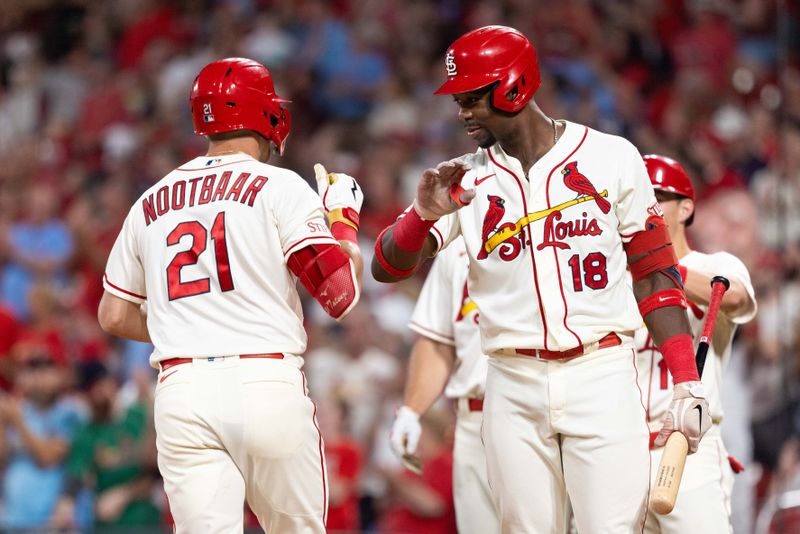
(212,237)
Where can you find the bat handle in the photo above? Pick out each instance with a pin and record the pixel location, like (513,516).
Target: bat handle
(719,285)
(670,471)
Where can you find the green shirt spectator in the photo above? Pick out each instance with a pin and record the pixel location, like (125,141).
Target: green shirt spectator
(106,455)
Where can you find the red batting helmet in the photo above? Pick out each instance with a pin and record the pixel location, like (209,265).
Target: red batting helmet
(238,94)
(493,54)
(666,174)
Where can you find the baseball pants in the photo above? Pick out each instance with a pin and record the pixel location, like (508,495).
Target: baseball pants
(556,431)
(704,499)
(475,513)
(230,430)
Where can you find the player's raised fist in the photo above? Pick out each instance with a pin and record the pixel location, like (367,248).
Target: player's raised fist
(341,196)
(439,192)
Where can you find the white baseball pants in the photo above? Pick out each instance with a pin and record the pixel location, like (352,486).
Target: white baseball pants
(704,499)
(574,430)
(230,430)
(475,513)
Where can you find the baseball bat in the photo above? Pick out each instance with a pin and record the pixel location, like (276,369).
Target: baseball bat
(673,459)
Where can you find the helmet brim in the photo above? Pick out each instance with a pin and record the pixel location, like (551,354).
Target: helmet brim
(465,84)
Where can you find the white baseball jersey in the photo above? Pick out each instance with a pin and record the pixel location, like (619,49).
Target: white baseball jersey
(207,247)
(547,267)
(446,313)
(656,380)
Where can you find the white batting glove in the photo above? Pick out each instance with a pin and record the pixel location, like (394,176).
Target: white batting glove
(405,437)
(341,196)
(688,414)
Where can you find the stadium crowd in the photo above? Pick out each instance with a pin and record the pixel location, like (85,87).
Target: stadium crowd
(94,109)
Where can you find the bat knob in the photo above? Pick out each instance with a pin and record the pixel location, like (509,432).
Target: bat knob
(721,280)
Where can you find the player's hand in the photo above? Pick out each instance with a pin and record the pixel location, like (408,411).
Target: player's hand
(439,192)
(688,414)
(340,193)
(405,437)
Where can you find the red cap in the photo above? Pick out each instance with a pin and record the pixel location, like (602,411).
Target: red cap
(238,94)
(493,54)
(666,174)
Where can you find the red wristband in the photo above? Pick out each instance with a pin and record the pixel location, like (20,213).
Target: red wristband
(344,232)
(411,230)
(678,352)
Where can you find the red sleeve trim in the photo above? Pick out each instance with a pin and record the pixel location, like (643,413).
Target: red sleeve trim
(441,239)
(433,334)
(322,239)
(131,293)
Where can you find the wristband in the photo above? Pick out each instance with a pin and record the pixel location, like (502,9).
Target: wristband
(348,216)
(678,352)
(344,232)
(411,230)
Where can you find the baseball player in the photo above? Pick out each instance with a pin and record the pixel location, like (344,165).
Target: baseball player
(703,503)
(215,249)
(448,358)
(551,213)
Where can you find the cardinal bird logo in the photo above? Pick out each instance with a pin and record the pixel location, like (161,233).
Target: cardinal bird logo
(581,185)
(490,221)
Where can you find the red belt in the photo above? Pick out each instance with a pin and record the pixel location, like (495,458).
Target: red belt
(609,340)
(172,362)
(475,405)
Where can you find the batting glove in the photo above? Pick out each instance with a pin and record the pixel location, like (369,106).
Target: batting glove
(341,196)
(405,437)
(688,414)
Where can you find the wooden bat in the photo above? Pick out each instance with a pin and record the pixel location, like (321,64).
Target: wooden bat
(673,459)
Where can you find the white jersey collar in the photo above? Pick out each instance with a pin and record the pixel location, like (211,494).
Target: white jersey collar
(568,141)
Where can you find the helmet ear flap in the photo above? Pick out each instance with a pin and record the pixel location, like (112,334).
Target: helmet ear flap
(513,94)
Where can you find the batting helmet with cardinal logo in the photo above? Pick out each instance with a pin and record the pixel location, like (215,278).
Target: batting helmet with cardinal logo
(489,55)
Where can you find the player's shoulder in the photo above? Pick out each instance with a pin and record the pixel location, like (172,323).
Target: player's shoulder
(282,177)
(721,261)
(604,141)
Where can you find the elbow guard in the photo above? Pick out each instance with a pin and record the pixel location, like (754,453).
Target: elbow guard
(654,248)
(327,273)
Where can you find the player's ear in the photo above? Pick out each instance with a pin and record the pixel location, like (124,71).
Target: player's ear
(685,209)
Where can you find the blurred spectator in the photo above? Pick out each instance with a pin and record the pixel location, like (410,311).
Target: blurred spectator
(113,455)
(343,458)
(423,504)
(44,330)
(776,190)
(356,368)
(37,247)
(37,429)
(9,332)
